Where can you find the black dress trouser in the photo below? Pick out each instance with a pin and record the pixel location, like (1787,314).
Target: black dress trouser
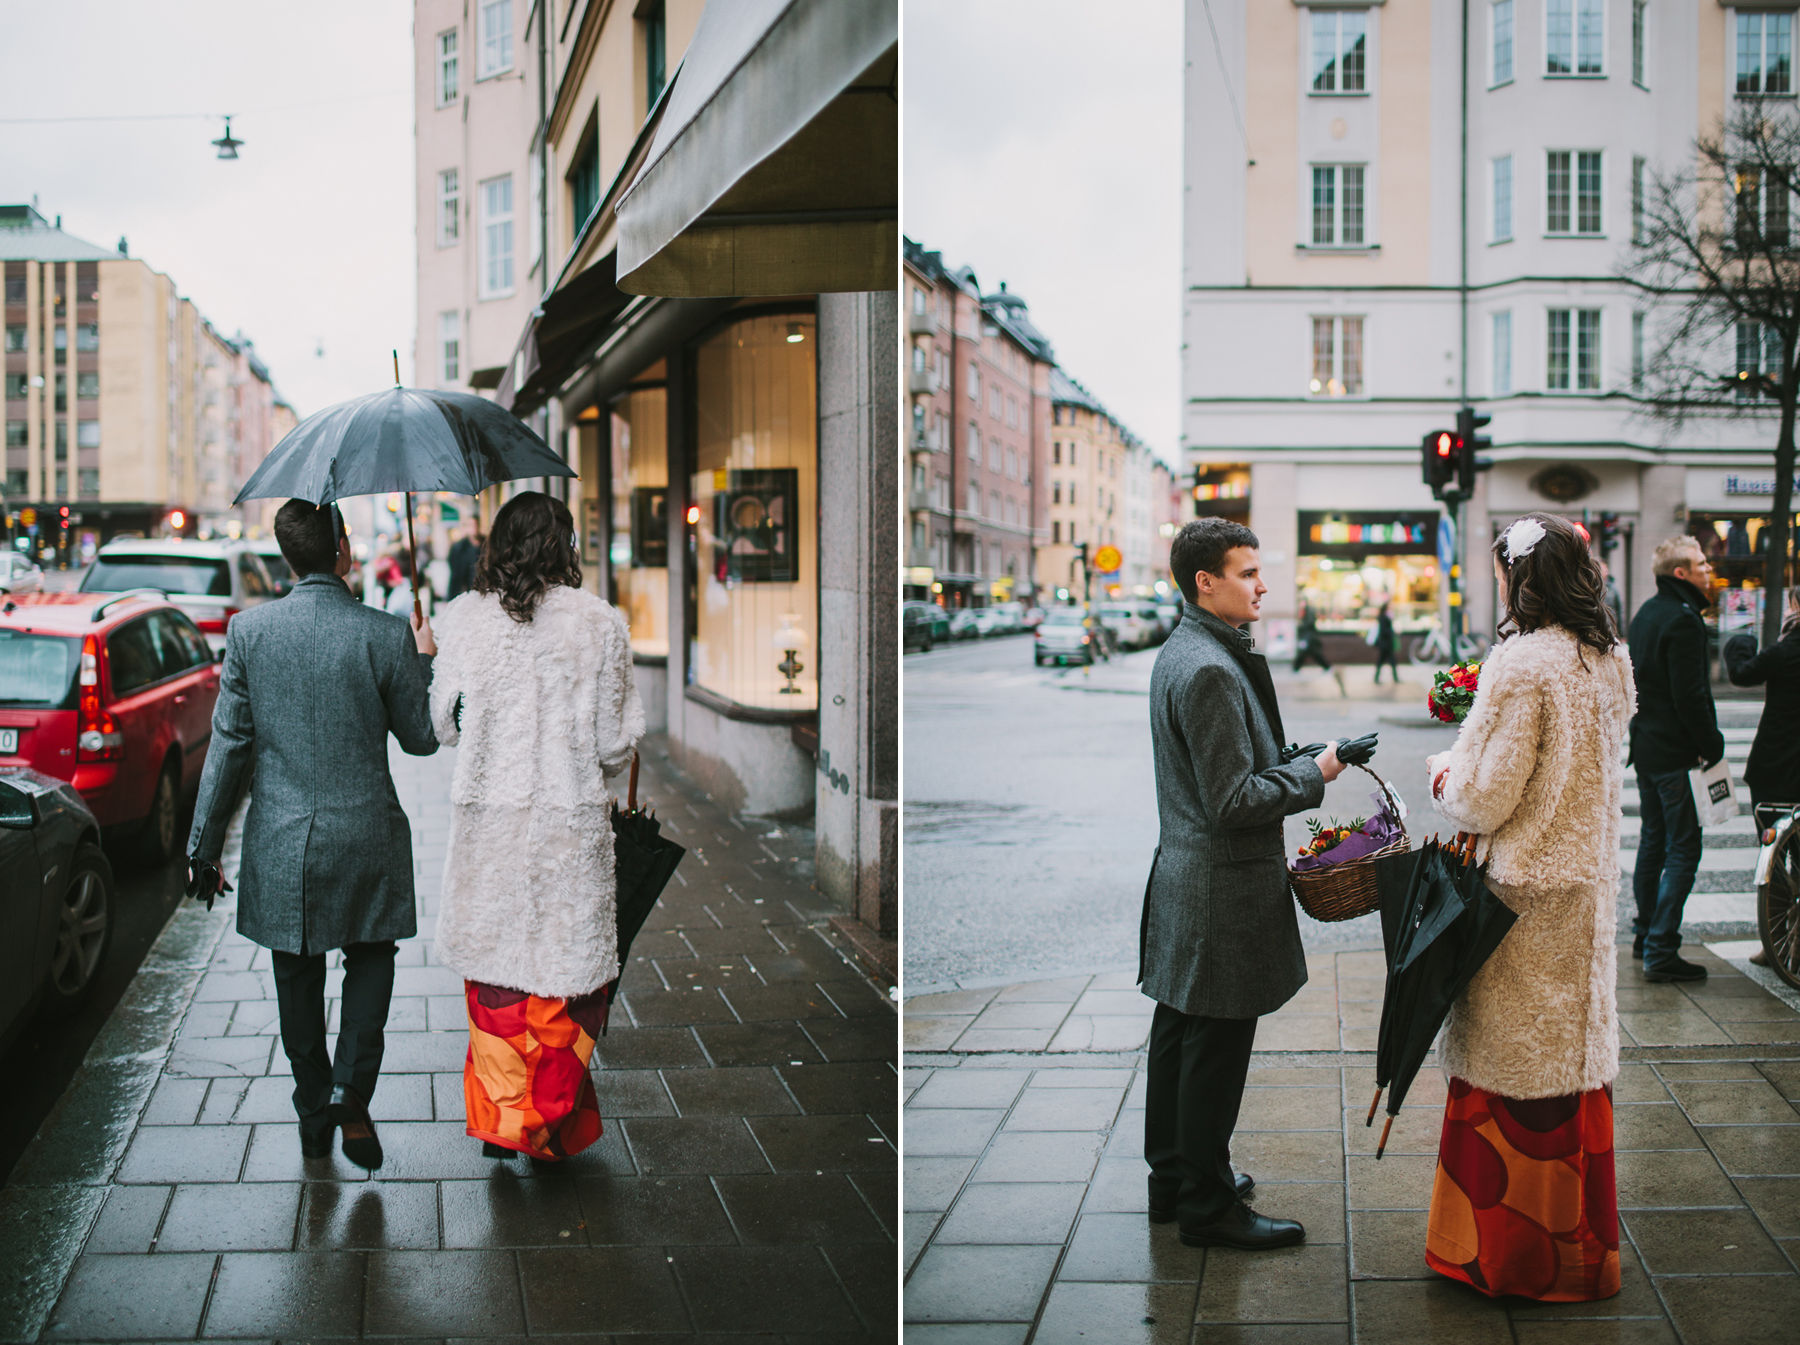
(1194,1085)
(362,1021)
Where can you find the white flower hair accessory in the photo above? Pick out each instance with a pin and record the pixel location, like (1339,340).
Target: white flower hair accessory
(1521,538)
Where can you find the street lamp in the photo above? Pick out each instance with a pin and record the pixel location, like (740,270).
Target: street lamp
(227,145)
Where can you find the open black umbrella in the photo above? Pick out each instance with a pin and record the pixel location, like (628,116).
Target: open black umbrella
(643,862)
(1439,924)
(402,439)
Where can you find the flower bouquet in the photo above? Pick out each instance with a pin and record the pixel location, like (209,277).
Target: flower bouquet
(1334,875)
(1333,842)
(1453,692)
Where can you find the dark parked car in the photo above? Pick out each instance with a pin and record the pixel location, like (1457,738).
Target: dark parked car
(56,899)
(923,624)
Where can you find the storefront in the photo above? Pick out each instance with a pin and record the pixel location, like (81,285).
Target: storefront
(1350,565)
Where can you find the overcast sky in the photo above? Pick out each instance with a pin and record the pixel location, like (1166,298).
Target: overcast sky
(305,239)
(1043,148)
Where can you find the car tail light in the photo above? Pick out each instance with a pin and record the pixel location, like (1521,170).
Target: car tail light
(218,627)
(98,737)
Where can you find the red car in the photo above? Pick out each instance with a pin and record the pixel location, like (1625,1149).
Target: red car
(113,693)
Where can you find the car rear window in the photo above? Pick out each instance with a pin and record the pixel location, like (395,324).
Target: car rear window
(171,574)
(38,670)
(1066,616)
(277,566)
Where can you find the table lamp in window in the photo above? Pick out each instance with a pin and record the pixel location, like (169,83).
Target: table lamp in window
(790,638)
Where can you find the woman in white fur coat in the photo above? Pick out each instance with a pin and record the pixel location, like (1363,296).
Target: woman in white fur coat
(1524,1200)
(533,682)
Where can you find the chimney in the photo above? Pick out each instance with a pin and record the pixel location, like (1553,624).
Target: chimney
(122,250)
(59,221)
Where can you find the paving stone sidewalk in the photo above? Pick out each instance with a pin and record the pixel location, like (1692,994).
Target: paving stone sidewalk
(745,1186)
(1025,1181)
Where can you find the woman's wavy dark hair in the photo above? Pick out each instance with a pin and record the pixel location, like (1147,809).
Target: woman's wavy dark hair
(1557,584)
(529,550)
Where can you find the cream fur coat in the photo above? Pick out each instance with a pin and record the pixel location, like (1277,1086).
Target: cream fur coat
(1536,772)
(549,710)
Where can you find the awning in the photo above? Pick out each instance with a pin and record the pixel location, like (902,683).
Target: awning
(569,327)
(776,167)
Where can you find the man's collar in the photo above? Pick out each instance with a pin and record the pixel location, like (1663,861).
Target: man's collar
(322,578)
(1682,590)
(1220,627)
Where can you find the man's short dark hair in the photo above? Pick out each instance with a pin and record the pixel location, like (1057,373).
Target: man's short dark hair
(1202,545)
(308,536)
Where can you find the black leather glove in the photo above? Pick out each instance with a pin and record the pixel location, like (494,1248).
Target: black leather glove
(1357,751)
(1293,752)
(205,881)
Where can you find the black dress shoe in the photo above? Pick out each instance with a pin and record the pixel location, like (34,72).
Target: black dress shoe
(315,1145)
(1637,949)
(1676,968)
(351,1115)
(1243,1228)
(1163,1211)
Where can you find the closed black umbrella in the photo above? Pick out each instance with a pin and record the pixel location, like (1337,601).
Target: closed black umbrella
(643,862)
(1439,924)
(402,439)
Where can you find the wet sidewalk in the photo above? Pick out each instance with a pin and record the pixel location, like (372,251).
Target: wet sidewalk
(1025,1181)
(745,1185)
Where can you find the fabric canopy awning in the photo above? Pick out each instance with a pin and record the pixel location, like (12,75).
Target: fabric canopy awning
(776,167)
(567,329)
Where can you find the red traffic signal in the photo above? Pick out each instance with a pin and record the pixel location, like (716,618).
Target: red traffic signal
(1445,444)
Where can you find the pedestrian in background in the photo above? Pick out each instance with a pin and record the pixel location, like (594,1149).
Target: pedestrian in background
(311,688)
(1385,642)
(464,552)
(535,685)
(1524,1201)
(1614,603)
(1676,728)
(1310,648)
(1773,770)
(1220,944)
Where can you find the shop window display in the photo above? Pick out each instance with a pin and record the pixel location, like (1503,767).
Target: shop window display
(640,517)
(753,517)
(1737,544)
(1346,594)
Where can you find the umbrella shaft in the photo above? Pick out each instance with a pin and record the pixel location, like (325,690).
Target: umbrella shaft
(1384,1134)
(1373,1105)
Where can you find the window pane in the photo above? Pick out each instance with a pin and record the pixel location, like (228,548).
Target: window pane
(1354,36)
(1778,53)
(1775,213)
(1503,41)
(1749,53)
(1587,350)
(1637,40)
(1502,354)
(87,434)
(496,37)
(1559,37)
(1556,374)
(1324,50)
(1637,200)
(1557,206)
(1746,189)
(1353,206)
(1503,224)
(1637,352)
(1588,194)
(640,519)
(1352,365)
(1322,356)
(1324,232)
(1589,38)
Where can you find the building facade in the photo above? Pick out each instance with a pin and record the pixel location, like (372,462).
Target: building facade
(979,375)
(1400,229)
(123,405)
(1101,493)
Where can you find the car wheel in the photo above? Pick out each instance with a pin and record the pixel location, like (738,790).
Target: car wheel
(925,648)
(159,840)
(83,933)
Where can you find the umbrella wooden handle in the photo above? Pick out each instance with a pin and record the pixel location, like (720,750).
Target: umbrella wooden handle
(1384,1134)
(631,788)
(1373,1105)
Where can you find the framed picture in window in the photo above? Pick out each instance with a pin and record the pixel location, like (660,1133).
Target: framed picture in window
(755,526)
(650,528)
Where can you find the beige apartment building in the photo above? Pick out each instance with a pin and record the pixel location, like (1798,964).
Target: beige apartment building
(1102,479)
(123,405)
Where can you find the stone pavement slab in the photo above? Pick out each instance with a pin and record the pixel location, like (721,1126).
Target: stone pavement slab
(745,1184)
(1025,1187)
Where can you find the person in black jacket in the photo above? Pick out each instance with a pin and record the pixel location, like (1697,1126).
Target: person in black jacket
(1773,771)
(1675,729)
(1385,642)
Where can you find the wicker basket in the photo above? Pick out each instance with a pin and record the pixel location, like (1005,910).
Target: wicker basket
(1347,890)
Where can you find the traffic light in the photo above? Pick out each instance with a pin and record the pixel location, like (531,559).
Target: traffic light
(1606,534)
(1438,451)
(1469,446)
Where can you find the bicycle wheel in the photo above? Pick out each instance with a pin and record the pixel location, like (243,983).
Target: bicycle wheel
(1778,909)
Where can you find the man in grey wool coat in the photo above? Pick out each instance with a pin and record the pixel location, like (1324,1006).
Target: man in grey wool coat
(1220,944)
(312,686)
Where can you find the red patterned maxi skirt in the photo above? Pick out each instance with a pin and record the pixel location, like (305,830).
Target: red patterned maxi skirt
(525,1080)
(1524,1201)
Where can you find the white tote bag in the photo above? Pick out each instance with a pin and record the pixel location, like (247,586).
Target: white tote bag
(1713,796)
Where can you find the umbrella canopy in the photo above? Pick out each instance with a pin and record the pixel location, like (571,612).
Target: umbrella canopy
(402,439)
(643,862)
(1439,924)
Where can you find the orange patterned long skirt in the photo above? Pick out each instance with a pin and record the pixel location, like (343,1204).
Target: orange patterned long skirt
(525,1080)
(1525,1201)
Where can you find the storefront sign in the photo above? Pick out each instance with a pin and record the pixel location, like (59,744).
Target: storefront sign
(919,574)
(1371,533)
(1753,485)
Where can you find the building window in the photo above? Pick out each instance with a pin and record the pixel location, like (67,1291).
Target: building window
(1586,331)
(1637,199)
(15,339)
(656,53)
(446,68)
(450,346)
(60,343)
(87,386)
(16,385)
(1585,196)
(1637,352)
(1503,41)
(87,336)
(974,382)
(1761,218)
(1337,205)
(1765,54)
(1638,21)
(496,38)
(1055,531)
(638,546)
(1758,358)
(1503,197)
(1337,351)
(497,237)
(1503,354)
(1339,50)
(1574,37)
(18,433)
(994,511)
(449,211)
(89,478)
(87,434)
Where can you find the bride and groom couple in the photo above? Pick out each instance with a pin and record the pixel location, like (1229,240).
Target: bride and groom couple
(1532,1045)
(531,676)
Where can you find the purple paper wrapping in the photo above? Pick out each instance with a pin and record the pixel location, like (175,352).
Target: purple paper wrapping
(1378,832)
